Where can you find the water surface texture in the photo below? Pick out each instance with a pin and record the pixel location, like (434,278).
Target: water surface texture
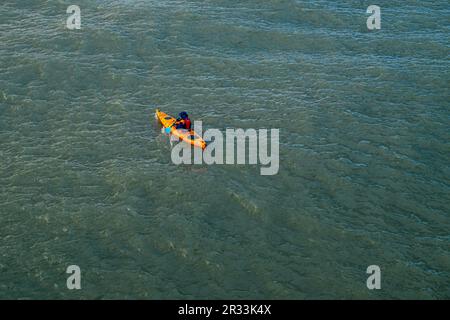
(86,176)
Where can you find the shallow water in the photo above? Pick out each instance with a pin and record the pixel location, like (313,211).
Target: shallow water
(86,176)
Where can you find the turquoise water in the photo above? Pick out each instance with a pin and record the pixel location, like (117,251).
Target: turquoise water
(86,176)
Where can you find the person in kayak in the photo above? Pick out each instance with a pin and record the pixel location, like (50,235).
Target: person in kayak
(183,122)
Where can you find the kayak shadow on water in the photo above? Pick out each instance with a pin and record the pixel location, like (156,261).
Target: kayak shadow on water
(196,169)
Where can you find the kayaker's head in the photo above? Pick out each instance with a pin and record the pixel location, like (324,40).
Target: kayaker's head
(183,115)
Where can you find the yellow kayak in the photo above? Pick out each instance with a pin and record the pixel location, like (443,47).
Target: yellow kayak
(189,136)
